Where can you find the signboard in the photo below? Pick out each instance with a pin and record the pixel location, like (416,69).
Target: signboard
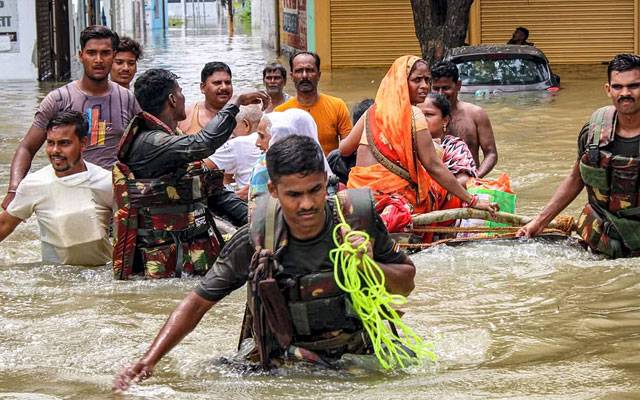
(294,24)
(9,26)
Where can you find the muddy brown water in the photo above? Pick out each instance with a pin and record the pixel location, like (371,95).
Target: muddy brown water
(516,320)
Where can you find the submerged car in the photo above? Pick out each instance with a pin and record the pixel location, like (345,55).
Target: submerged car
(502,68)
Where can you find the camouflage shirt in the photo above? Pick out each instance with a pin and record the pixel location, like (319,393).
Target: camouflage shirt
(231,269)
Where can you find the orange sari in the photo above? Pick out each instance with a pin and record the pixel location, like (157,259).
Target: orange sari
(389,122)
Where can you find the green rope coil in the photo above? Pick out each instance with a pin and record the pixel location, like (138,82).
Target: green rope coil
(359,276)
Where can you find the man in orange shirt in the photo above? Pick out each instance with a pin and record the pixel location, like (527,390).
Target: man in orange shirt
(330,113)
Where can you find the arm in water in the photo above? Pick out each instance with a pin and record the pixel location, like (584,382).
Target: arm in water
(7,224)
(180,323)
(568,190)
(487,143)
(398,276)
(21,162)
(437,170)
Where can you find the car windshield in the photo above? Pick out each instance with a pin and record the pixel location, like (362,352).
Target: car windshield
(505,71)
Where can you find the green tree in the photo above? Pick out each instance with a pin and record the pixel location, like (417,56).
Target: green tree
(440,24)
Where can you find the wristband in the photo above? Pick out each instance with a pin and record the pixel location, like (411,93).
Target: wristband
(11,191)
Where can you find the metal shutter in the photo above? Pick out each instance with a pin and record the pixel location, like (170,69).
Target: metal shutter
(569,32)
(371,33)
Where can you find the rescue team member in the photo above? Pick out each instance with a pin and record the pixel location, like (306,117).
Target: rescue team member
(297,223)
(72,198)
(107,106)
(125,62)
(608,166)
(330,113)
(165,196)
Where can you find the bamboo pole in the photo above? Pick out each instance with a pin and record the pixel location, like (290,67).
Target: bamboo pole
(500,217)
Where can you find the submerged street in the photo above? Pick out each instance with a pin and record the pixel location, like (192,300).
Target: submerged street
(510,319)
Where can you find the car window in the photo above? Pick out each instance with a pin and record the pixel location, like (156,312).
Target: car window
(508,71)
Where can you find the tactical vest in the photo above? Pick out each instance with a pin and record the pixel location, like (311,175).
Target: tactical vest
(163,226)
(610,222)
(313,305)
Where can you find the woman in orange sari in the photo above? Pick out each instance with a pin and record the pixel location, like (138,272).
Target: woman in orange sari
(396,155)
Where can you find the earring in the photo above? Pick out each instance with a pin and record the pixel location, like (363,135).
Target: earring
(444,128)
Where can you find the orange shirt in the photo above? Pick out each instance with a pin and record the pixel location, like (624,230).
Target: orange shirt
(331,115)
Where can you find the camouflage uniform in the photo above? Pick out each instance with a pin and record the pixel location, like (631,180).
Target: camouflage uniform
(610,222)
(163,226)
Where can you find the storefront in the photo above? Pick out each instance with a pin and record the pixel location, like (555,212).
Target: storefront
(372,33)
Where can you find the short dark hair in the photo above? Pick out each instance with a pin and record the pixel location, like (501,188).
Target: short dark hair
(153,87)
(441,101)
(68,118)
(623,62)
(98,32)
(128,44)
(445,69)
(299,53)
(294,154)
(273,67)
(211,67)
(360,109)
(523,30)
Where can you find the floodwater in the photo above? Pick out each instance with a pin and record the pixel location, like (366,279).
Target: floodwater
(510,320)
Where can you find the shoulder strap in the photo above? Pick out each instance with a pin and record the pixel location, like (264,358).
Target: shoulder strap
(270,225)
(357,208)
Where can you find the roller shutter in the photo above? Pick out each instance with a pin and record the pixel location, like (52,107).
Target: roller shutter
(569,32)
(371,33)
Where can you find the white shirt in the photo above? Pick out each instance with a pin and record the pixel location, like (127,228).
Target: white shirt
(73,213)
(238,156)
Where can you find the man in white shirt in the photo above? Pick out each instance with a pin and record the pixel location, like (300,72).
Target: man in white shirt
(238,156)
(72,198)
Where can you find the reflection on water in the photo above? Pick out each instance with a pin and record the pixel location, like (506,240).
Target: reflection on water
(535,319)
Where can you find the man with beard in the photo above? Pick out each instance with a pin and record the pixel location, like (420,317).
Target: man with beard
(468,121)
(108,107)
(608,165)
(125,62)
(164,193)
(216,86)
(274,77)
(72,198)
(330,113)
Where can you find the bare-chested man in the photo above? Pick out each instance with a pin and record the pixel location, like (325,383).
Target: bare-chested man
(215,84)
(468,121)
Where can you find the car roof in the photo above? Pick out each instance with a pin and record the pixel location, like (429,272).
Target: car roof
(478,50)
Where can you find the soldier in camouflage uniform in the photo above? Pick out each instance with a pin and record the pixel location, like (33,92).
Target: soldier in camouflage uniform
(164,194)
(608,166)
(290,236)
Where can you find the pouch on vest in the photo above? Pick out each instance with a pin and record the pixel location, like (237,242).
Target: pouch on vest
(322,315)
(597,182)
(624,181)
(596,232)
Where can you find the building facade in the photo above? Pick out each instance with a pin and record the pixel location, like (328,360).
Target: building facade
(372,33)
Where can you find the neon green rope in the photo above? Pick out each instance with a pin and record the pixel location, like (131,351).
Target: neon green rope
(359,276)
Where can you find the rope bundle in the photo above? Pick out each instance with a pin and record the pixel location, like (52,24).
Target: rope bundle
(359,276)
